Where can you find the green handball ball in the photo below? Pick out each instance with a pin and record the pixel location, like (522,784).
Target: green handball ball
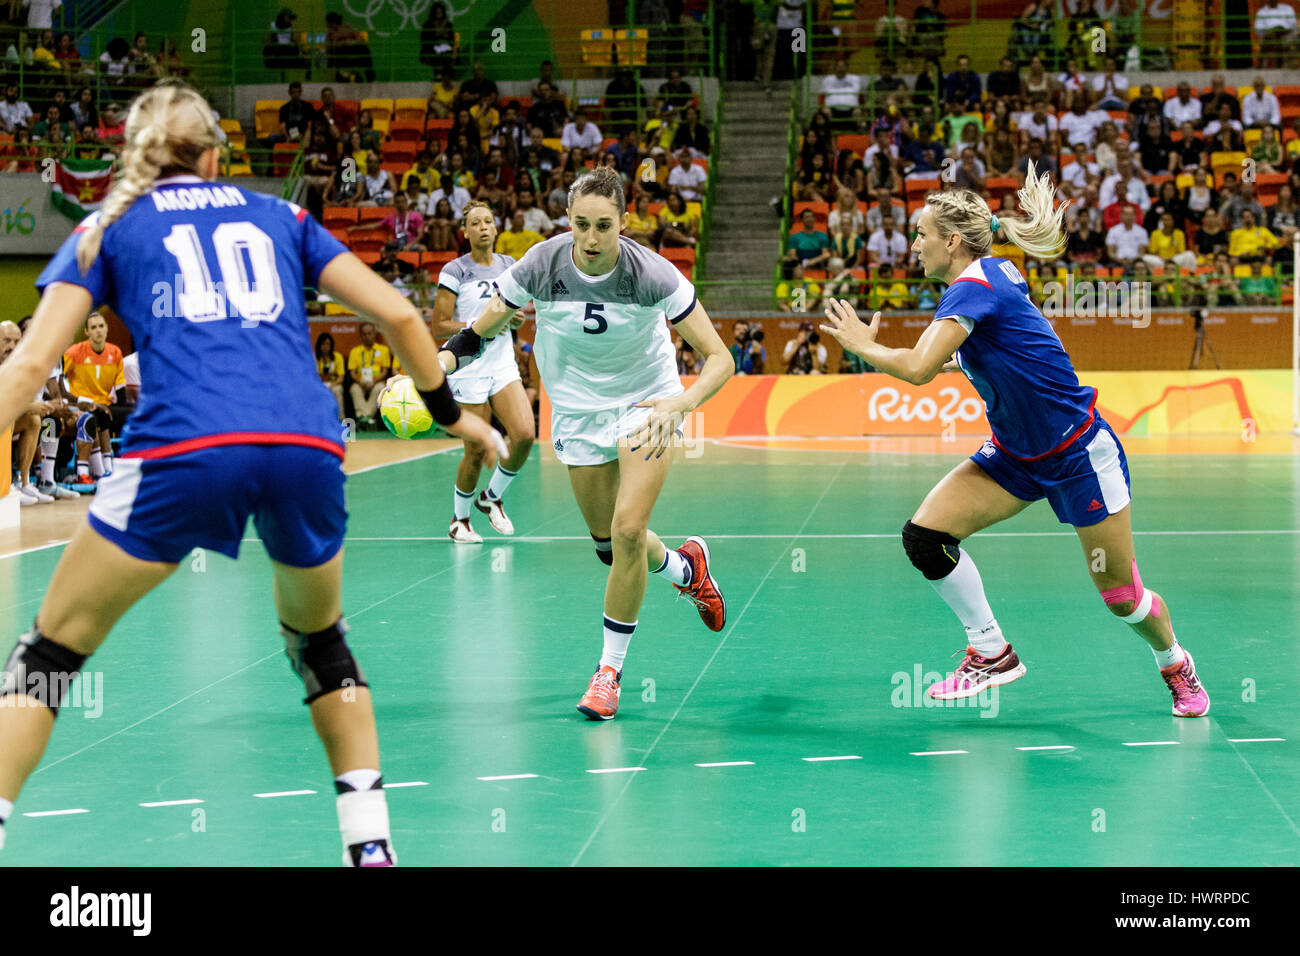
(403,411)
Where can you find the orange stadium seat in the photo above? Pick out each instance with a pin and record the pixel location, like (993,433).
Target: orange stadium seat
(434,261)
(920,186)
(858,142)
(375,213)
(283,157)
(408,130)
(339,216)
(820,209)
(400,151)
(397,167)
(370,241)
(412,257)
(1267,185)
(369,258)
(678,253)
(340,234)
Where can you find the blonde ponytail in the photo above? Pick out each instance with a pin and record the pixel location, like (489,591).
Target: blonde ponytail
(168,128)
(1041,233)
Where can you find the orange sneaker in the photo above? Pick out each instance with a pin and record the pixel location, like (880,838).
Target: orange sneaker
(601,700)
(703,591)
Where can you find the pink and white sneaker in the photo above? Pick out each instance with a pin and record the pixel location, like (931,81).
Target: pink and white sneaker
(1190,698)
(496,512)
(975,673)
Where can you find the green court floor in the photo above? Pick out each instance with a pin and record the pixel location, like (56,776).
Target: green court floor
(477,656)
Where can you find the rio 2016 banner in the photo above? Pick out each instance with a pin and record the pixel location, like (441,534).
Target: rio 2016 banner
(29,223)
(1135,403)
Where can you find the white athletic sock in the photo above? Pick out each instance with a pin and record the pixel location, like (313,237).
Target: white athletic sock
(96,464)
(6,809)
(462,503)
(49,455)
(363,817)
(963,591)
(1170,657)
(358,779)
(675,567)
(83,466)
(107,458)
(618,635)
(501,479)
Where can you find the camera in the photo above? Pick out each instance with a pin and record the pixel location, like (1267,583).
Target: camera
(755,335)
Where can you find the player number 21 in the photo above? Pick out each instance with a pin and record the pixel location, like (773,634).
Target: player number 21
(250,283)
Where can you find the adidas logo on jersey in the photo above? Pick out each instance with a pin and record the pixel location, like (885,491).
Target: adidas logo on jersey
(559,445)
(559,288)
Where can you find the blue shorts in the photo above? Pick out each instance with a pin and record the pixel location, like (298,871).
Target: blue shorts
(161,509)
(1086,483)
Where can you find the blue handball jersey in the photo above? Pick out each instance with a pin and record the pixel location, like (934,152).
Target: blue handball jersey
(1015,360)
(208,279)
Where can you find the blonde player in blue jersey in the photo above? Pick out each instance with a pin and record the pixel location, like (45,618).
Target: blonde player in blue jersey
(1048,440)
(608,364)
(491,384)
(209,279)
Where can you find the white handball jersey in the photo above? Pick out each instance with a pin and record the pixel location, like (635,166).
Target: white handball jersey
(601,340)
(472,284)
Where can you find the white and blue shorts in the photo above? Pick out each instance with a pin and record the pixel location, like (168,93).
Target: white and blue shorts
(592,438)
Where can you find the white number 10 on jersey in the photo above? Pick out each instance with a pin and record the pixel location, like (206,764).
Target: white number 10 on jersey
(250,283)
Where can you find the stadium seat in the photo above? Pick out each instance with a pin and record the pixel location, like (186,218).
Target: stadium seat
(400,151)
(333,308)
(266,117)
(607,142)
(654,208)
(555,143)
(678,253)
(412,257)
(374,213)
(597,47)
(1000,185)
(685,268)
(858,142)
(368,257)
(407,130)
(1268,184)
(231,126)
(410,108)
(397,167)
(436,260)
(920,186)
(283,158)
(370,241)
(695,209)
(1251,136)
(1228,160)
(380,109)
(339,216)
(340,234)
(1245,91)
(820,209)
(238,168)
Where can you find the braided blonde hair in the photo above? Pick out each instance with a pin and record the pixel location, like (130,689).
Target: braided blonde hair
(1041,234)
(168,128)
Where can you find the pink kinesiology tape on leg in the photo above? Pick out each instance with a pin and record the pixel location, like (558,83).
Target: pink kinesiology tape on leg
(1131,592)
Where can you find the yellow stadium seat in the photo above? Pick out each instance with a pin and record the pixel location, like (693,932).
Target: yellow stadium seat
(410,108)
(379,109)
(333,308)
(1183,181)
(1251,136)
(695,209)
(1245,91)
(231,126)
(266,117)
(1240,272)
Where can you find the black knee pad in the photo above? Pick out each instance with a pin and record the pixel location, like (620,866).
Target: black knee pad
(933,553)
(604,550)
(323,660)
(40,668)
(103,418)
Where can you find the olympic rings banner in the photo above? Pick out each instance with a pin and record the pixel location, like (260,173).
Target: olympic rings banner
(1135,403)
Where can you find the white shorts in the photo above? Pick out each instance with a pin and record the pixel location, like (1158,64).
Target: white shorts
(591,438)
(483,378)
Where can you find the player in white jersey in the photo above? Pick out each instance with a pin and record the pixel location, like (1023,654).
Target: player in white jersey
(608,365)
(491,385)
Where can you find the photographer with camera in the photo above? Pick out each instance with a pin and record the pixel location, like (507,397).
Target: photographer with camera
(804,354)
(747,351)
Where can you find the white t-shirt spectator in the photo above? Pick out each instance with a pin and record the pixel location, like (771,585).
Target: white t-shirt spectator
(40,13)
(1082,129)
(1135,193)
(1127,242)
(537,221)
(589,139)
(1037,130)
(844,92)
(1214,126)
(857,220)
(1270,18)
(870,155)
(875,214)
(890,249)
(1256,110)
(689,181)
(458,197)
(1077,173)
(17,113)
(1178,112)
(1114,87)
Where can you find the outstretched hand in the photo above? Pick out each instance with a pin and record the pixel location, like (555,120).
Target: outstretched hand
(843,325)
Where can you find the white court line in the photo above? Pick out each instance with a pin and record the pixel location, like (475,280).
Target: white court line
(511,776)
(1153,743)
(823,759)
(618,770)
(389,464)
(409,783)
(936,753)
(170,803)
(1049,747)
(285,793)
(893,535)
(39,547)
(728,763)
(1255,740)
(53,813)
